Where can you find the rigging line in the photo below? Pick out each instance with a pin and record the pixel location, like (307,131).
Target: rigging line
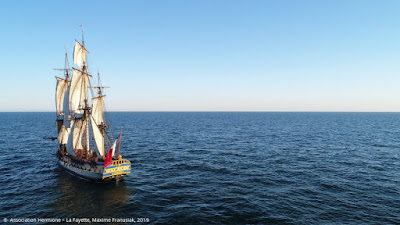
(80,94)
(94,120)
(80,133)
(91,90)
(108,139)
(106,116)
(66,64)
(95,124)
(82,71)
(105,130)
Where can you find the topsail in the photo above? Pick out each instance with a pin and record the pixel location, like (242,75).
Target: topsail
(77,92)
(97,110)
(80,54)
(60,92)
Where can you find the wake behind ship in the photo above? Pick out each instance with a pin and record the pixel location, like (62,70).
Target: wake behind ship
(82,129)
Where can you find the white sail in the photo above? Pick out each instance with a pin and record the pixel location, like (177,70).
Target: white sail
(98,138)
(97,110)
(67,115)
(63,135)
(80,54)
(78,132)
(70,148)
(85,135)
(60,92)
(77,91)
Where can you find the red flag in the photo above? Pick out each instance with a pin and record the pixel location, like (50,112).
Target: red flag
(109,158)
(80,25)
(111,153)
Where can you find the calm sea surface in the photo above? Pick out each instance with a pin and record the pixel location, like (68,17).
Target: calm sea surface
(215,168)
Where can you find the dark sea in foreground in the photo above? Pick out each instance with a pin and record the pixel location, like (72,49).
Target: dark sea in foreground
(215,168)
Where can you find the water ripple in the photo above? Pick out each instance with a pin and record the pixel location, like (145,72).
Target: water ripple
(216,168)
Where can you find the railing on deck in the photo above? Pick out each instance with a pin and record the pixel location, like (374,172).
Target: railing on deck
(118,162)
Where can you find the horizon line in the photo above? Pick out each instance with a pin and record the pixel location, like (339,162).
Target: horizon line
(210,111)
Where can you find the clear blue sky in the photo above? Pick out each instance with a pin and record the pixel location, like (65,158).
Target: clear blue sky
(214,55)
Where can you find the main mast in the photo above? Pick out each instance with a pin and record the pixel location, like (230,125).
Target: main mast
(81,108)
(102,127)
(66,65)
(87,108)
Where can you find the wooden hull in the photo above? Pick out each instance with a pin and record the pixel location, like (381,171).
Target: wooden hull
(95,170)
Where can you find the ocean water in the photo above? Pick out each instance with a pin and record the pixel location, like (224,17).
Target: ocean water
(215,168)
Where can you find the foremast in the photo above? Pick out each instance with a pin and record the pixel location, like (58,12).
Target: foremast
(61,89)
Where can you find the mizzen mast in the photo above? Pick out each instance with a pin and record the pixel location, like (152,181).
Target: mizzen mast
(98,114)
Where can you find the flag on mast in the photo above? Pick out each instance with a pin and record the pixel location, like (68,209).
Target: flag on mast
(112,151)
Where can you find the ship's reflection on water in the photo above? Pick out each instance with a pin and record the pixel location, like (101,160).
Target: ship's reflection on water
(87,199)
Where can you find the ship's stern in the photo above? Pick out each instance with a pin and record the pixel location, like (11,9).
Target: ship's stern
(117,170)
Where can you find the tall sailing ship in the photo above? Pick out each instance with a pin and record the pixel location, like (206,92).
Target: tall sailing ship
(83,135)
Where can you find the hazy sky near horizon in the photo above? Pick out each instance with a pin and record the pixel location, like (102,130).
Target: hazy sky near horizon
(207,55)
